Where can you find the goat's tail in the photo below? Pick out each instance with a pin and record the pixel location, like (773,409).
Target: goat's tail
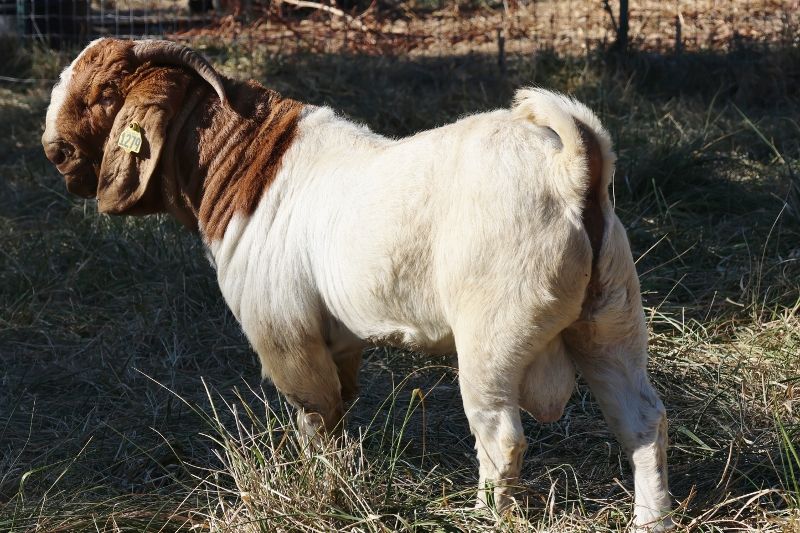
(586,146)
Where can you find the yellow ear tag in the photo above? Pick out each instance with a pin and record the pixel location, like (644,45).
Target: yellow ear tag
(131,138)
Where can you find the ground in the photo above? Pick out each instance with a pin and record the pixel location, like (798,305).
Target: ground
(130,401)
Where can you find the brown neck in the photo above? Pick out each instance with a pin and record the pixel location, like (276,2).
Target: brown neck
(221,160)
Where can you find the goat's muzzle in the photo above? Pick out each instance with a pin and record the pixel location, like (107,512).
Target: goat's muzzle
(58,152)
(83,184)
(78,172)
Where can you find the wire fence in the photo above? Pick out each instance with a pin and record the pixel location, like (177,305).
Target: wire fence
(421,27)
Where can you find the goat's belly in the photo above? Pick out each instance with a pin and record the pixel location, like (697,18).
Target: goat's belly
(398,323)
(428,338)
(416,339)
(387,306)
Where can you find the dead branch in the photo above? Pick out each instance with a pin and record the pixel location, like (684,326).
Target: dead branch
(327,9)
(610,12)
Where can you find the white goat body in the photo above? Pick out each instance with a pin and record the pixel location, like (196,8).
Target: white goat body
(493,237)
(400,241)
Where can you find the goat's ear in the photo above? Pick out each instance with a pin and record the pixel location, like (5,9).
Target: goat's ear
(125,176)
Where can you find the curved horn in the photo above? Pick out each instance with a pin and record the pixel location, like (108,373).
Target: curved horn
(176,54)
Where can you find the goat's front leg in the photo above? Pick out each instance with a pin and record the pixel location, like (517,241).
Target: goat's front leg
(308,377)
(348,367)
(346,350)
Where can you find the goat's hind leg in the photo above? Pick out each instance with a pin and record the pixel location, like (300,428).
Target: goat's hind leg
(611,354)
(634,411)
(609,346)
(489,379)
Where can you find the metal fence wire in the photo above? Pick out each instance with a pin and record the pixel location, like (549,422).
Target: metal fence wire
(430,27)
(57,22)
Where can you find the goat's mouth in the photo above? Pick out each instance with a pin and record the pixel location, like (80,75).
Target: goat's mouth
(83,184)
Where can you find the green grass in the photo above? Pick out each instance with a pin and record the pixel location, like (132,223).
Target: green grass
(130,401)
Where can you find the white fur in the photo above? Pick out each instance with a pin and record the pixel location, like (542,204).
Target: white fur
(57,98)
(468,237)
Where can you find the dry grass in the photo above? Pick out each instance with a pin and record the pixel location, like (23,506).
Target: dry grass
(130,401)
(447,28)
(442,28)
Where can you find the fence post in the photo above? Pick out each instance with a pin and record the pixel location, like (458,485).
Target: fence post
(21,17)
(247,8)
(622,34)
(621,29)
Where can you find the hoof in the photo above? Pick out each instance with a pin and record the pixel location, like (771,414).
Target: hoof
(657,526)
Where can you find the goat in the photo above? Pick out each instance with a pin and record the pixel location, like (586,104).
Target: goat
(492,237)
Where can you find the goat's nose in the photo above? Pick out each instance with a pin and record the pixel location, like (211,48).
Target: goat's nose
(58,152)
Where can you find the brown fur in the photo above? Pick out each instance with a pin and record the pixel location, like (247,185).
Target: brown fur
(592,215)
(153,99)
(87,114)
(223,159)
(241,156)
(593,219)
(199,160)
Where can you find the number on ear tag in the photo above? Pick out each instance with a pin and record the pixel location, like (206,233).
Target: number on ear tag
(131,139)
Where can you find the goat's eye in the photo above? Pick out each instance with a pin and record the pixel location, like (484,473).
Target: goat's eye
(107,96)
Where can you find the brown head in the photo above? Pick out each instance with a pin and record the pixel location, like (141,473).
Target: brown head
(110,85)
